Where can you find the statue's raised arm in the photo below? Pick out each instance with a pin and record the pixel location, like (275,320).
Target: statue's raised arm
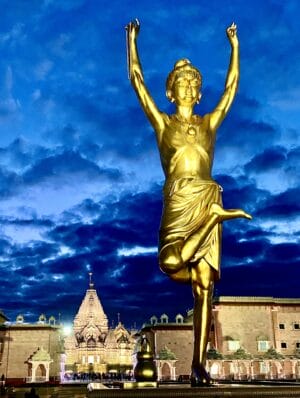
(232,80)
(136,77)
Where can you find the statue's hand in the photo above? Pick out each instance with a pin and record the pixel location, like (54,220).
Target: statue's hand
(133,28)
(231,34)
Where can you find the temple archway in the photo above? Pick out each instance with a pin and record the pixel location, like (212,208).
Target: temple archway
(40,365)
(166,371)
(40,371)
(215,370)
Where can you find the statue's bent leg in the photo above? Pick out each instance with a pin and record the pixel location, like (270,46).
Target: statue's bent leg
(216,215)
(202,283)
(170,262)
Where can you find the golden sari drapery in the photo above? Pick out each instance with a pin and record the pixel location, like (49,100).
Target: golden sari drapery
(186,208)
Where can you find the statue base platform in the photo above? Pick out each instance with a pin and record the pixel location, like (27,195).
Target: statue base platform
(216,391)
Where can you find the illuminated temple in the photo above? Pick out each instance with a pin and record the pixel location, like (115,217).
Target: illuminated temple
(93,346)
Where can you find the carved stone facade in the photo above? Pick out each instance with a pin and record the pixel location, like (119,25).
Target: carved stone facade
(93,346)
(251,338)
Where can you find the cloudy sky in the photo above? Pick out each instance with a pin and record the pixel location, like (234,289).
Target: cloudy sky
(80,175)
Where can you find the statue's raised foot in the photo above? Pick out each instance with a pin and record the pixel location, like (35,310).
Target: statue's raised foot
(228,214)
(200,377)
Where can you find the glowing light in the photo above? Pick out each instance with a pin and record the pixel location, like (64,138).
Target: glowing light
(67,330)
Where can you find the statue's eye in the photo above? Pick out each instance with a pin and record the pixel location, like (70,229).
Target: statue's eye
(195,83)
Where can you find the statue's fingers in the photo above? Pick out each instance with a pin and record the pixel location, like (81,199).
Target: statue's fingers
(128,26)
(232,27)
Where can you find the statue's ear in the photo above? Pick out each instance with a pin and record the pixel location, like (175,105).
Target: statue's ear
(169,95)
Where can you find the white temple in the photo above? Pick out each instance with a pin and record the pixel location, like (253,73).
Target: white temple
(93,346)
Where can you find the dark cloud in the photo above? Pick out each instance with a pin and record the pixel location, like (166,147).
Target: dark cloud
(284,253)
(5,245)
(68,162)
(267,279)
(115,223)
(283,205)
(239,251)
(271,158)
(241,192)
(27,222)
(21,153)
(109,128)
(276,158)
(62,167)
(35,253)
(8,181)
(256,232)
(292,165)
(246,133)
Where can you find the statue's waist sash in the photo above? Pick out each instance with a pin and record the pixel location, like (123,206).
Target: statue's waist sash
(172,185)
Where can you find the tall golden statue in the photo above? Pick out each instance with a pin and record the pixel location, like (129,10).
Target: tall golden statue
(190,230)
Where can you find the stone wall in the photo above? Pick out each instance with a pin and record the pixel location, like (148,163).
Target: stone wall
(266,329)
(178,339)
(21,342)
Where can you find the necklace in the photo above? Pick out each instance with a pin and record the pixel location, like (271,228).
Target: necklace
(190,131)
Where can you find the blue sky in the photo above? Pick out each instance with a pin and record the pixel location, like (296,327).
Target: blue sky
(80,176)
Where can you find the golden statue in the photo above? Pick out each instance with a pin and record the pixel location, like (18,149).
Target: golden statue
(190,230)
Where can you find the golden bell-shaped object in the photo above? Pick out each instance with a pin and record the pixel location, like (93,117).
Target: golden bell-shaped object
(145,369)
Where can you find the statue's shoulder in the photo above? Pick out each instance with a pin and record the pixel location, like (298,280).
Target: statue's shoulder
(205,119)
(198,119)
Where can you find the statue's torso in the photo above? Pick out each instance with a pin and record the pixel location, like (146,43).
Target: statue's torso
(186,149)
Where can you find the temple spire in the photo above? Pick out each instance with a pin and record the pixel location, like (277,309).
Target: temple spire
(91,283)
(90,316)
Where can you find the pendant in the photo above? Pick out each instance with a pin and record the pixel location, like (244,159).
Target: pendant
(191,131)
(191,135)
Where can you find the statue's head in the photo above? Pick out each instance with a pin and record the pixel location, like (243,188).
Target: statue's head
(183,70)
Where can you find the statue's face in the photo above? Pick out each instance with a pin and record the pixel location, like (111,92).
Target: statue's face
(186,89)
